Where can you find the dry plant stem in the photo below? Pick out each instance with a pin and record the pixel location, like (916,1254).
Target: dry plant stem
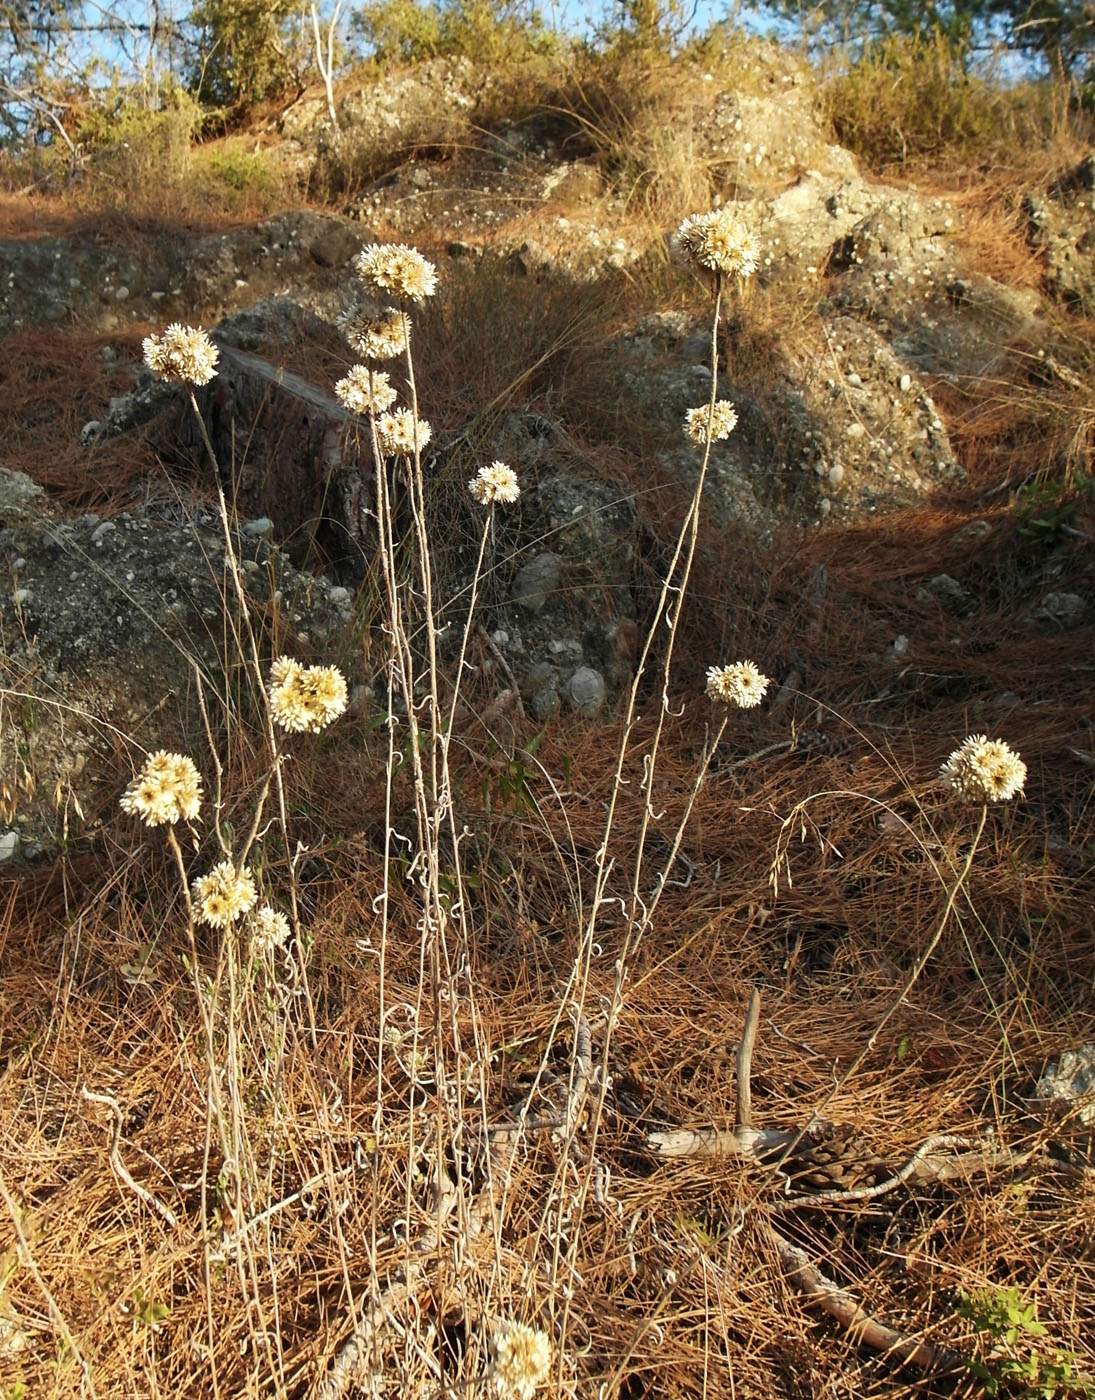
(918,968)
(256,667)
(446,738)
(120,1169)
(717,1142)
(744,1118)
(639,915)
(688,530)
(26,1258)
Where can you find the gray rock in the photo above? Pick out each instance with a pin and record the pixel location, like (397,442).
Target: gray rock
(335,245)
(544,702)
(537,581)
(1059,611)
(952,595)
(1061,225)
(586,690)
(20,497)
(1071,1082)
(115,618)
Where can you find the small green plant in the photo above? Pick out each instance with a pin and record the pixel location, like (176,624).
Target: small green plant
(1015,1361)
(147,1310)
(1046,507)
(496,32)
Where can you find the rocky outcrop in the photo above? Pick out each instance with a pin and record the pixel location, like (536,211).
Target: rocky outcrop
(1062,227)
(107,619)
(107,628)
(87,281)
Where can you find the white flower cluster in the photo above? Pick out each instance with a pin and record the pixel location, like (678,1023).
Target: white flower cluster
(365,390)
(166,790)
(305,697)
(720,242)
(223,895)
(401,434)
(269,930)
(376,337)
(740,683)
(183,354)
(496,483)
(393,267)
(984,770)
(707,423)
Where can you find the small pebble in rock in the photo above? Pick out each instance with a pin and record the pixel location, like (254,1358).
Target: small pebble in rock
(586,690)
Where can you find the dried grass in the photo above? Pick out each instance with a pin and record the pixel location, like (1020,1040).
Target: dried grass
(680,1295)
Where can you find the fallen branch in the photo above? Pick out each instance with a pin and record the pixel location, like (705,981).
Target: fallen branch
(120,1168)
(865,1330)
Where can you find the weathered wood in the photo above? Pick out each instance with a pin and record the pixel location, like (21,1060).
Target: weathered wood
(288,450)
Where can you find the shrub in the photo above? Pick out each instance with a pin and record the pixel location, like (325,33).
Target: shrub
(911,96)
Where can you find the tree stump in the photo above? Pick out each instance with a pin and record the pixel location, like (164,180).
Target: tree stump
(288,451)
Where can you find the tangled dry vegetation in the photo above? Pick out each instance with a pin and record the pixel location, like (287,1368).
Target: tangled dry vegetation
(576,1075)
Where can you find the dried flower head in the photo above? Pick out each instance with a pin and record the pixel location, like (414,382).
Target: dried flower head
(365,390)
(720,242)
(984,770)
(497,482)
(722,420)
(183,354)
(167,789)
(740,683)
(269,930)
(522,1359)
(401,434)
(375,337)
(393,267)
(305,697)
(224,894)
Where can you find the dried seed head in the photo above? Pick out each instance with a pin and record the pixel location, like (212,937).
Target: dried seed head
(740,683)
(183,354)
(984,770)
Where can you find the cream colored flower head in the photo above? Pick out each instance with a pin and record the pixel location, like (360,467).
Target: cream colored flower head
(495,483)
(380,337)
(182,354)
(401,434)
(722,422)
(984,770)
(720,242)
(167,789)
(393,267)
(365,390)
(269,930)
(740,683)
(222,896)
(305,697)
(521,1359)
